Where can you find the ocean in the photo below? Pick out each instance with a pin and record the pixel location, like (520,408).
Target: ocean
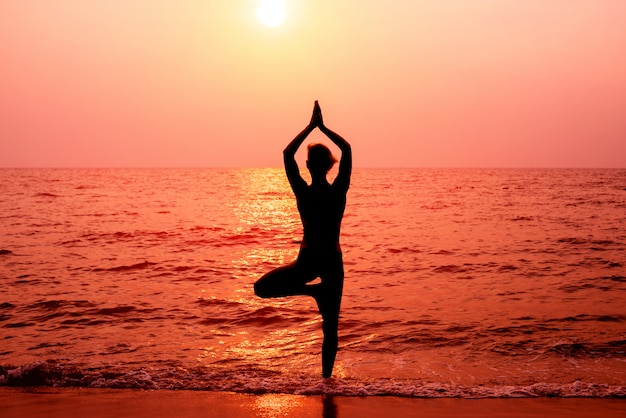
(459,282)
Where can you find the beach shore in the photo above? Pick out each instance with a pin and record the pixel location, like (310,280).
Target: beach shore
(104,403)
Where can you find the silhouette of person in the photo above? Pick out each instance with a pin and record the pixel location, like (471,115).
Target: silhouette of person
(321,206)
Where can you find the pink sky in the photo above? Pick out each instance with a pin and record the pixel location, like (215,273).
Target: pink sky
(410,83)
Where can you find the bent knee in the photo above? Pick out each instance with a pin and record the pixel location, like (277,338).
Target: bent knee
(260,290)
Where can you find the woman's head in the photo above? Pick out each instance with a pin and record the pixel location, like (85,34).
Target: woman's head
(320,158)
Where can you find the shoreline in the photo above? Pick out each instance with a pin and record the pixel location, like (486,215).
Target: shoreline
(49,402)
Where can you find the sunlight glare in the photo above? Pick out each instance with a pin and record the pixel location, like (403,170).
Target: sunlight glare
(271,12)
(276,405)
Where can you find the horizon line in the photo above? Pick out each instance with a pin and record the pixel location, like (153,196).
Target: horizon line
(281,167)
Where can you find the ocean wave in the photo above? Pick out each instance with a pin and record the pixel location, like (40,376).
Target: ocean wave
(258,381)
(137,266)
(63,313)
(45,194)
(587,241)
(587,317)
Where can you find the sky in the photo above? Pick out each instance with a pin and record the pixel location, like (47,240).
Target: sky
(409,83)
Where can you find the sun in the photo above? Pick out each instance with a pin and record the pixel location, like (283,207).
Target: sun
(271,12)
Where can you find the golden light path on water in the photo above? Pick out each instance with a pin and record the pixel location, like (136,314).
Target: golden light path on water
(263,206)
(272,405)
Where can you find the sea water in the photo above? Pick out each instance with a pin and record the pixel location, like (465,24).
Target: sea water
(459,282)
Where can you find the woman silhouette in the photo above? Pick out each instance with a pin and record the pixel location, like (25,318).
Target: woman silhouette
(321,206)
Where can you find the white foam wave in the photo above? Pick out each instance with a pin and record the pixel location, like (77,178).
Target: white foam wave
(260,381)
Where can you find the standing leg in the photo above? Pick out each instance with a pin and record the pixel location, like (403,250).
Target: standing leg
(328,298)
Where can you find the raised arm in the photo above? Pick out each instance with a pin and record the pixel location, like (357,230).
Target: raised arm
(345,163)
(289,155)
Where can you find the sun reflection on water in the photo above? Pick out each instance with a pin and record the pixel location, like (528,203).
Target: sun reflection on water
(270,257)
(266,200)
(273,405)
(269,222)
(266,235)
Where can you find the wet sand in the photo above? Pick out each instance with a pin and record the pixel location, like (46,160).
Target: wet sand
(119,403)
